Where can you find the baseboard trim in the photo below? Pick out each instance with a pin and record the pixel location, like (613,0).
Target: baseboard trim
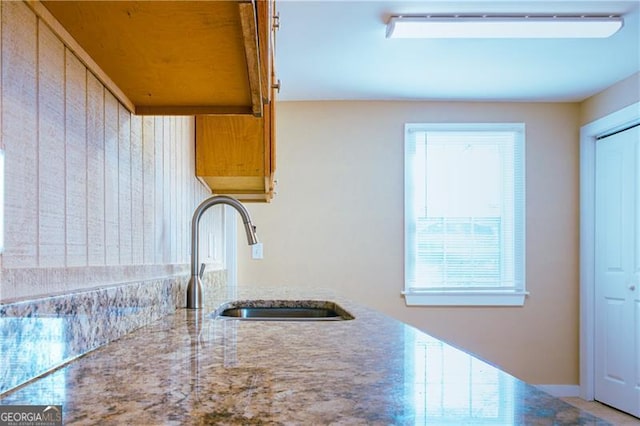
(561,391)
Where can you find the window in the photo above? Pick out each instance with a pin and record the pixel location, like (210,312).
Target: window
(464,214)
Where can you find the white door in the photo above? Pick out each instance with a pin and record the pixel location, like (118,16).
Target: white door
(617,271)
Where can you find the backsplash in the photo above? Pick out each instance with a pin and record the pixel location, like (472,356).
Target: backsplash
(40,335)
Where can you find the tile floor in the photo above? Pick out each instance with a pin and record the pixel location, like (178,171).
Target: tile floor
(605,412)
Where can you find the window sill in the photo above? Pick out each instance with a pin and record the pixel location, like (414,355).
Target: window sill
(465,298)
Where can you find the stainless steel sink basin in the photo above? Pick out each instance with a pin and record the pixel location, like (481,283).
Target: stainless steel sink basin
(283,310)
(268,313)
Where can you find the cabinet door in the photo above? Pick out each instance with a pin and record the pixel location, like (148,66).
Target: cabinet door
(233,155)
(230,148)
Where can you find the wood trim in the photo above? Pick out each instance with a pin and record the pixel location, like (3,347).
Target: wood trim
(250,36)
(43,14)
(272,133)
(265,44)
(247,197)
(193,110)
(267,123)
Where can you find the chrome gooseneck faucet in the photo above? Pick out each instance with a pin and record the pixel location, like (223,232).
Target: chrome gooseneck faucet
(194,289)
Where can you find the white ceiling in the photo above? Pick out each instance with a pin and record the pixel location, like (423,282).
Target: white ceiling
(337,50)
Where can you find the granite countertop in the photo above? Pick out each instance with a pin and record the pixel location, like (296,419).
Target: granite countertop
(193,368)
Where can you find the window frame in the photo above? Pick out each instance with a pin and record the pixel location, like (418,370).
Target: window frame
(422,296)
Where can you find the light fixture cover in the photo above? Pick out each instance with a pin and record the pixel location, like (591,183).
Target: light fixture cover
(496,26)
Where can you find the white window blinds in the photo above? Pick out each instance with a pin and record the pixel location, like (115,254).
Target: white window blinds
(464,214)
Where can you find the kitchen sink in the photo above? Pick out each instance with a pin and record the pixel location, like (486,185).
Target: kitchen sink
(277,313)
(283,310)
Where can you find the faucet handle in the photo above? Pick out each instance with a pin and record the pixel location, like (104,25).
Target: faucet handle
(202,267)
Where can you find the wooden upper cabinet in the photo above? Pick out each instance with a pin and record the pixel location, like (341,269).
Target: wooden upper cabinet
(235,155)
(176,57)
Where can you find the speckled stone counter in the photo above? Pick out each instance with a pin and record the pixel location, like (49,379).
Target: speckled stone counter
(192,368)
(37,336)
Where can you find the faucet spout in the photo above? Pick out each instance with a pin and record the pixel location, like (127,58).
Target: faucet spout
(194,289)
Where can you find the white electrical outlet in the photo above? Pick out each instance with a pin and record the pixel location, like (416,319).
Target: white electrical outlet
(256,251)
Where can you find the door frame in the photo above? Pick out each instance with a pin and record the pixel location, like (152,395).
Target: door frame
(589,133)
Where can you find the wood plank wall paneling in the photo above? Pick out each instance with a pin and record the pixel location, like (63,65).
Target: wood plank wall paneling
(76,160)
(173,194)
(87,183)
(124,185)
(149,181)
(179,199)
(159,195)
(95,172)
(137,186)
(111,181)
(1,142)
(51,141)
(20,136)
(166,195)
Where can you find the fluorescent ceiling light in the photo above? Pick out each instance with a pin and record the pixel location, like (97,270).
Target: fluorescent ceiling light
(496,26)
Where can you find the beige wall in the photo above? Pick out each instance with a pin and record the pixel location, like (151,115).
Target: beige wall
(612,99)
(94,196)
(337,222)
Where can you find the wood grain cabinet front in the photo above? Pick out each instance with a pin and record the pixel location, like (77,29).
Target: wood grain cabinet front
(235,155)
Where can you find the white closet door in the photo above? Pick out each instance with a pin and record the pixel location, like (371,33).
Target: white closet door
(617,271)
